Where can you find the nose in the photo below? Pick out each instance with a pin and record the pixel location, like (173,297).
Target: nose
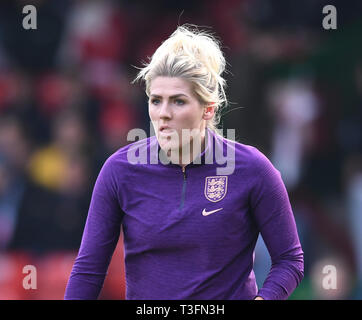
(165,111)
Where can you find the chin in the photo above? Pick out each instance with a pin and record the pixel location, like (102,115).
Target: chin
(167,145)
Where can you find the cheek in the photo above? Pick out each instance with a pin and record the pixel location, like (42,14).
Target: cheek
(152,114)
(192,114)
(153,118)
(194,118)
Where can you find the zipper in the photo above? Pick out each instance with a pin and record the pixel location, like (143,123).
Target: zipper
(183,187)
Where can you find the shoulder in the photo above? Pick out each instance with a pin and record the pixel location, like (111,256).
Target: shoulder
(254,158)
(122,159)
(117,169)
(260,171)
(248,156)
(251,164)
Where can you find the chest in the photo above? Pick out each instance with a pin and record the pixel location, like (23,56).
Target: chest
(179,210)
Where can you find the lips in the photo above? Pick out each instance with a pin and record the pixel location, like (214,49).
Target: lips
(165,129)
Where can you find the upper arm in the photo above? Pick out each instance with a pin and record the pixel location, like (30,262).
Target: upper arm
(100,237)
(103,223)
(272,211)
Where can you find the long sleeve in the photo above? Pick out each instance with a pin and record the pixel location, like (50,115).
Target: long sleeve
(273,214)
(100,237)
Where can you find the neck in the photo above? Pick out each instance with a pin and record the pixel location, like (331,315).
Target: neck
(188,152)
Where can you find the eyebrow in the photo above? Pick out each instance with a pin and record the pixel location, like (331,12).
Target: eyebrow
(171,97)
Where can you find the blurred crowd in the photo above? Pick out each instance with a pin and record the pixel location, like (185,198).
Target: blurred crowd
(66,104)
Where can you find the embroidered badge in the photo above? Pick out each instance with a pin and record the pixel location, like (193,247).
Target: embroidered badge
(215,188)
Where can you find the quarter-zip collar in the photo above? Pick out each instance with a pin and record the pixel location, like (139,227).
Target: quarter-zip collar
(201,158)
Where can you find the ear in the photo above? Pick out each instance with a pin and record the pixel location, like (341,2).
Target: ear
(209,111)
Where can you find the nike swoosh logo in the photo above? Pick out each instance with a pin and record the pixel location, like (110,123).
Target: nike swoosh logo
(206,213)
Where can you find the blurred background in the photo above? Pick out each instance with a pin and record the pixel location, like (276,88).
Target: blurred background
(66,104)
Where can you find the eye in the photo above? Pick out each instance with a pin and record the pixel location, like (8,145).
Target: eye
(155,101)
(179,102)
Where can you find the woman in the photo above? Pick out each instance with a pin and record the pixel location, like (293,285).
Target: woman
(189,232)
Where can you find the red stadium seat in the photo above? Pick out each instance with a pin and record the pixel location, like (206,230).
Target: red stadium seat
(114,285)
(12,276)
(54,271)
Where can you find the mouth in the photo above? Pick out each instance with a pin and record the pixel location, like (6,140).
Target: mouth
(165,129)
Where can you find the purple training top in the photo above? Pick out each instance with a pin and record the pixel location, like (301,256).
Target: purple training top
(189,235)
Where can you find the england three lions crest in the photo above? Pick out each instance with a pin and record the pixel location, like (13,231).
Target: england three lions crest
(216,188)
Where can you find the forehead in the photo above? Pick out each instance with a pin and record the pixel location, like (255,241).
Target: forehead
(168,86)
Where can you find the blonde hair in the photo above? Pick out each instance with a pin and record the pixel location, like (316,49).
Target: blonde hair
(195,56)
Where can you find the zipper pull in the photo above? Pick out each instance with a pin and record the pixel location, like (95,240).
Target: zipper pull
(184,172)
